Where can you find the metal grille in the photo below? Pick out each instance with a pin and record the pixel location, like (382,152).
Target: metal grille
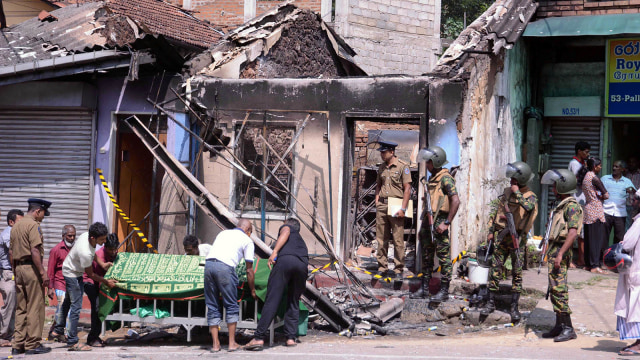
(565,133)
(47,154)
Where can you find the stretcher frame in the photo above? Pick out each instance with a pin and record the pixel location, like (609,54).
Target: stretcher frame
(189,322)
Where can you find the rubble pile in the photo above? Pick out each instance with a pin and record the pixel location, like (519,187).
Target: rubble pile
(302,51)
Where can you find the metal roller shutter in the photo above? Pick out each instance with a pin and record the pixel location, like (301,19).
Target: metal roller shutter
(47,154)
(566,132)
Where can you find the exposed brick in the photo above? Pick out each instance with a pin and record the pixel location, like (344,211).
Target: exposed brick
(634,2)
(583,12)
(563,3)
(614,11)
(569,13)
(630,11)
(577,2)
(605,4)
(621,3)
(591,4)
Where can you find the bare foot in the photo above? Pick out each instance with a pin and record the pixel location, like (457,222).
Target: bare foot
(291,342)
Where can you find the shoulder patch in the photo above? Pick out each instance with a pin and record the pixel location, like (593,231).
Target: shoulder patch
(406,171)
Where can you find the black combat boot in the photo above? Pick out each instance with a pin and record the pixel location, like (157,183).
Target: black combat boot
(423,291)
(557,329)
(567,332)
(515,314)
(443,294)
(490,306)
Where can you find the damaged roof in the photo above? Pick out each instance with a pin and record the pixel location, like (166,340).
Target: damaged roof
(94,26)
(64,31)
(497,28)
(286,42)
(168,20)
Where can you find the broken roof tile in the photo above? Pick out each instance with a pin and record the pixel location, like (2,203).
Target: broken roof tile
(497,28)
(45,15)
(162,18)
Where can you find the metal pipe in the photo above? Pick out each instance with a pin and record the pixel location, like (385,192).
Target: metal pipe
(263,193)
(329,170)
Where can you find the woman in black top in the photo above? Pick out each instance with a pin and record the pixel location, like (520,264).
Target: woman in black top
(290,260)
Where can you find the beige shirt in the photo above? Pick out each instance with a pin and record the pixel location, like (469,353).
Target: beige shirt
(25,235)
(392,177)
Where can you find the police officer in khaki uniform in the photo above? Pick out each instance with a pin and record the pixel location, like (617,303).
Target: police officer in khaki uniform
(26,253)
(393,181)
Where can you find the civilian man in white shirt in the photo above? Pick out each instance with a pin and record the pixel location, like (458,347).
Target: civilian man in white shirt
(79,260)
(620,189)
(221,281)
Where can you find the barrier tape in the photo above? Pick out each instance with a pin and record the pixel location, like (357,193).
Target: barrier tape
(390,279)
(122,213)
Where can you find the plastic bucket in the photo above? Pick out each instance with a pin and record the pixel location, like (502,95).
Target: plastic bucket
(478,274)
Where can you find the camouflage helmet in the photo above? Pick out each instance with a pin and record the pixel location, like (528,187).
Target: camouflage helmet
(520,171)
(564,179)
(435,154)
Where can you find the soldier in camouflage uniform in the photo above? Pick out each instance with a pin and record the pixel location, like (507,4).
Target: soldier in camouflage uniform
(522,203)
(566,224)
(444,205)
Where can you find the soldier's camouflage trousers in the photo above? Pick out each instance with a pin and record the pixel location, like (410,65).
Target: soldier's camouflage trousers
(500,254)
(558,287)
(441,248)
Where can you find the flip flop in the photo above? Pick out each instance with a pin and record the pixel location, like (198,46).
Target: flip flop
(232,350)
(78,347)
(628,352)
(97,343)
(215,350)
(254,347)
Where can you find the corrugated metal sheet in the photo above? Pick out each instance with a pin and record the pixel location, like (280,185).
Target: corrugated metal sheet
(509,21)
(73,32)
(79,28)
(47,154)
(566,132)
(497,28)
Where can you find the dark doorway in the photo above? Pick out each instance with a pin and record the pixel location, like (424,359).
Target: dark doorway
(135,186)
(366,160)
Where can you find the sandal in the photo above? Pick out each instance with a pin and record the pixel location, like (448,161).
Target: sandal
(58,337)
(78,347)
(97,343)
(597,270)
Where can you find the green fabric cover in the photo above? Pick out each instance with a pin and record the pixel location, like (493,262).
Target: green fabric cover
(176,277)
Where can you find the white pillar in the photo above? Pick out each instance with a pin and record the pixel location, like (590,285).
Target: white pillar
(250,9)
(325,10)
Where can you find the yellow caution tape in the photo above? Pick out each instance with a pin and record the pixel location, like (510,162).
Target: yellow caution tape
(122,213)
(460,256)
(389,279)
(324,267)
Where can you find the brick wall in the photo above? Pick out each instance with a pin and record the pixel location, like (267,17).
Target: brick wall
(230,13)
(586,7)
(391,36)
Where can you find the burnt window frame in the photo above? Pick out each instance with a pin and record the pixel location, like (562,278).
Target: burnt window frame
(236,176)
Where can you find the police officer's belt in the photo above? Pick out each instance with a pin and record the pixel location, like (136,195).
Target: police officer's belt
(24,262)
(383,200)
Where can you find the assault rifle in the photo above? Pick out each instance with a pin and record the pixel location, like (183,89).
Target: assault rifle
(544,244)
(511,227)
(427,214)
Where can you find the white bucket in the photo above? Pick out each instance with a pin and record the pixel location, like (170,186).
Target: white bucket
(478,274)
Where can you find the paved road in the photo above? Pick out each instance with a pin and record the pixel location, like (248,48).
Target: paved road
(500,344)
